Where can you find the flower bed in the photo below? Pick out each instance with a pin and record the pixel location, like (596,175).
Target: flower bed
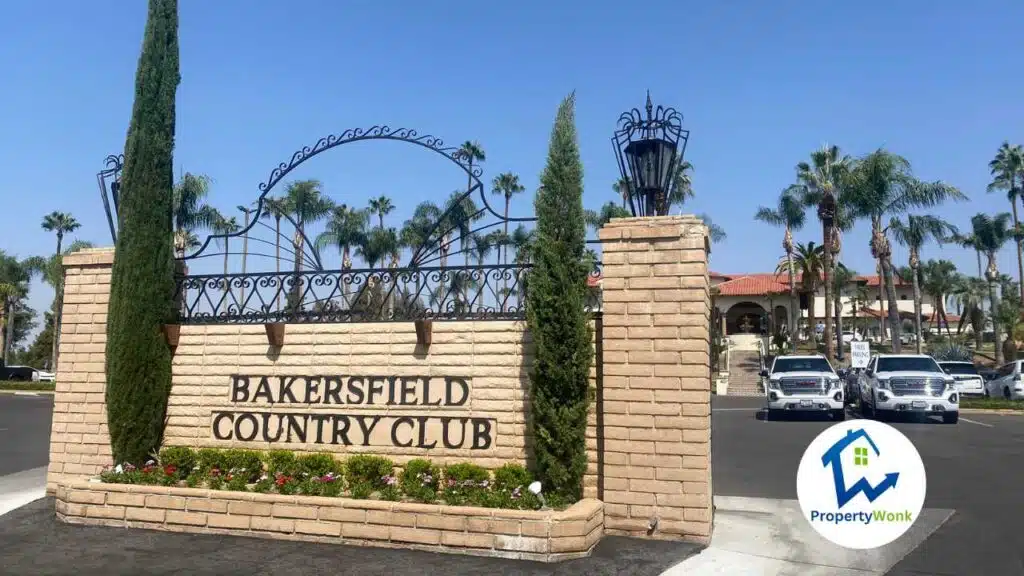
(544,535)
(359,477)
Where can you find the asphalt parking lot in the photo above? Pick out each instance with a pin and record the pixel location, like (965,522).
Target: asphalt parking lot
(975,467)
(24,432)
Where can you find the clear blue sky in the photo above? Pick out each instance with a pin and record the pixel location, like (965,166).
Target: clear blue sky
(761,84)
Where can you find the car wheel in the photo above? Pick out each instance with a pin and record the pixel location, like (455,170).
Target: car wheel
(773,415)
(950,417)
(839,415)
(883,415)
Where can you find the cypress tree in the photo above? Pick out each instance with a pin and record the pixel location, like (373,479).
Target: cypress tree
(556,318)
(142,282)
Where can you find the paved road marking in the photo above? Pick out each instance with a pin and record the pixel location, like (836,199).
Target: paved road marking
(962,419)
(25,394)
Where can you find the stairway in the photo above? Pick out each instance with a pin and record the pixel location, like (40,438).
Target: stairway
(744,374)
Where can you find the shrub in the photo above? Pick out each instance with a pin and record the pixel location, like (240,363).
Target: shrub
(511,476)
(952,353)
(419,480)
(209,459)
(182,458)
(247,463)
(466,483)
(317,464)
(281,462)
(367,470)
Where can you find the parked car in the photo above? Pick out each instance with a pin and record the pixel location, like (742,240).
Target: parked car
(46,376)
(908,383)
(18,373)
(965,374)
(1007,383)
(803,383)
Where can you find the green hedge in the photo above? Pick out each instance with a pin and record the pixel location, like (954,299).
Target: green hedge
(321,474)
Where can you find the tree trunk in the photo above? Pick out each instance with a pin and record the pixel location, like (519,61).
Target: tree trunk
(58,298)
(1020,248)
(894,312)
(504,299)
(277,258)
(838,298)
(794,305)
(940,304)
(9,341)
(812,322)
(245,251)
(3,329)
(881,303)
(917,308)
(830,345)
(996,329)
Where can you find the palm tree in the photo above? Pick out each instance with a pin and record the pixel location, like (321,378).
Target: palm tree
(789,214)
(60,223)
(507,185)
(969,241)
(622,188)
(883,185)
(345,230)
(682,187)
(305,202)
(609,210)
(970,294)
(823,179)
(715,232)
(860,300)
(15,276)
(841,278)
(522,241)
(381,207)
(1007,170)
(992,233)
(225,225)
(913,233)
(53,274)
(461,213)
(809,262)
(940,278)
(276,208)
(190,211)
(472,153)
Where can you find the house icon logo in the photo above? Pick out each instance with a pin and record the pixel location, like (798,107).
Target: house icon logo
(861,484)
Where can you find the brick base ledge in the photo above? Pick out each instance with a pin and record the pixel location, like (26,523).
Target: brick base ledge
(547,536)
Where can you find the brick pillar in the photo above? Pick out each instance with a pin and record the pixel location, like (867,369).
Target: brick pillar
(656,377)
(79,441)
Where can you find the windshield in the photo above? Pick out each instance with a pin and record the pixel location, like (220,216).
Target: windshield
(959,368)
(907,364)
(800,365)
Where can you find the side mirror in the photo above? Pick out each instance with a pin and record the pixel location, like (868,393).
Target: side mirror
(764,373)
(869,373)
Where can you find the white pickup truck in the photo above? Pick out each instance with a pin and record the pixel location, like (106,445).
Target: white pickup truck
(802,383)
(908,383)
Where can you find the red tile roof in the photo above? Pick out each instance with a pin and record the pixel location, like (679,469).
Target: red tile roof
(755,284)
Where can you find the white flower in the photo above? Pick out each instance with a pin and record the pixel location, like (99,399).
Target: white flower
(118,469)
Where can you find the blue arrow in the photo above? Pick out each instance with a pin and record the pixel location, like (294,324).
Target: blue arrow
(844,495)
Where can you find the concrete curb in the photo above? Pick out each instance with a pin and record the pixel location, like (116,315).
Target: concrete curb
(28,392)
(1000,411)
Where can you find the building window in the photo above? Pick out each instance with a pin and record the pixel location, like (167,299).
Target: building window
(903,297)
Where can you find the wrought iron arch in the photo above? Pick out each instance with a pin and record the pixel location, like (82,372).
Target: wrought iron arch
(375,132)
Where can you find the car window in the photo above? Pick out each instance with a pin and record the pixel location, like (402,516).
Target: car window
(1006,369)
(800,365)
(907,364)
(959,368)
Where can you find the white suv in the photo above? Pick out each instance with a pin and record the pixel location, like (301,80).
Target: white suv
(801,383)
(1008,382)
(908,383)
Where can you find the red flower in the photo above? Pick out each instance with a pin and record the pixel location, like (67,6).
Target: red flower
(215,472)
(170,469)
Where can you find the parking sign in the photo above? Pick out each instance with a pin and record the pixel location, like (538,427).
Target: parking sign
(860,353)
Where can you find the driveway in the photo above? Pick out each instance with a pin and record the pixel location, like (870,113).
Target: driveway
(975,468)
(24,432)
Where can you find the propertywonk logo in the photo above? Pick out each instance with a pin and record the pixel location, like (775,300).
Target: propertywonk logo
(861,484)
